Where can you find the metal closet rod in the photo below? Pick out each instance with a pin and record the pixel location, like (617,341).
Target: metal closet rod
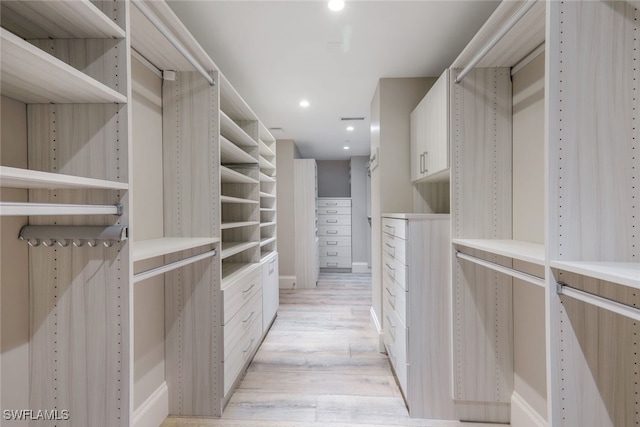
(598,301)
(494,41)
(166,32)
(502,269)
(144,275)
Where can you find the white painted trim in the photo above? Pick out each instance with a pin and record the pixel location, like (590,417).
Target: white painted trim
(287,282)
(154,410)
(523,414)
(375,322)
(360,267)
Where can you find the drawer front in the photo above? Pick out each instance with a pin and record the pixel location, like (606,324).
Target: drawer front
(334,230)
(334,210)
(241,356)
(335,262)
(396,298)
(241,323)
(395,340)
(395,227)
(333,202)
(395,247)
(332,242)
(394,269)
(335,252)
(239,292)
(334,220)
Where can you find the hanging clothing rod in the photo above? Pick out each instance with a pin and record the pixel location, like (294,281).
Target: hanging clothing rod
(166,32)
(496,38)
(502,269)
(602,302)
(144,275)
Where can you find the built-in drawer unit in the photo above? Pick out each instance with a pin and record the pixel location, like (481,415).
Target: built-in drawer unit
(236,294)
(396,297)
(395,339)
(334,230)
(330,202)
(330,220)
(335,262)
(395,247)
(329,252)
(334,210)
(333,241)
(241,355)
(395,227)
(242,322)
(395,270)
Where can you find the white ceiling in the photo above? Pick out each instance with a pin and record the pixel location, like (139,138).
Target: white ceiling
(276,53)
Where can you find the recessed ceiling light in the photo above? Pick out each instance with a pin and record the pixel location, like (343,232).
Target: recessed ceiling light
(346,147)
(350,128)
(336,5)
(304,103)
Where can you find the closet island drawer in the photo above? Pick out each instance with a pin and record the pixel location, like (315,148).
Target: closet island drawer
(335,252)
(335,262)
(334,220)
(396,298)
(333,202)
(395,247)
(334,230)
(334,210)
(333,241)
(239,292)
(241,355)
(395,270)
(395,339)
(240,324)
(395,227)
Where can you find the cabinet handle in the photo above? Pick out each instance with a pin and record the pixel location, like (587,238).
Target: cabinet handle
(389,226)
(393,303)
(391,246)
(389,267)
(426,153)
(332,204)
(248,289)
(392,331)
(249,318)
(332,231)
(332,243)
(332,253)
(246,350)
(332,221)
(334,211)
(422,163)
(332,264)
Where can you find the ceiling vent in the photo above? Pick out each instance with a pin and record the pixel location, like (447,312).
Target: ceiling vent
(344,119)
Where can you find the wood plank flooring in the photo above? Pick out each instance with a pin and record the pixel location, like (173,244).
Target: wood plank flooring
(319,366)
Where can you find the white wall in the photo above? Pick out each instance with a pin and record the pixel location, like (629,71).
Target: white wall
(360,228)
(286,152)
(333,178)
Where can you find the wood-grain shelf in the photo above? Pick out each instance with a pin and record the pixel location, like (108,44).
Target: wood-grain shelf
(516,249)
(265,150)
(267,210)
(146,249)
(267,224)
(233,248)
(267,195)
(232,104)
(238,200)
(28,73)
(231,153)
(228,176)
(235,133)
(31,179)
(623,273)
(266,241)
(265,165)
(79,19)
(232,270)
(266,178)
(43,209)
(230,225)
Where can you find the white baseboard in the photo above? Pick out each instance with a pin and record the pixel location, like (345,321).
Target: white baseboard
(378,327)
(153,411)
(523,414)
(287,282)
(360,267)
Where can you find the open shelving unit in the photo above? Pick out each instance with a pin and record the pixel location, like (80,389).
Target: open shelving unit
(32,179)
(267,177)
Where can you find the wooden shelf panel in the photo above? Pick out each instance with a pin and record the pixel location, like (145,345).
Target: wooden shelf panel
(267,210)
(265,134)
(623,273)
(232,104)
(267,224)
(230,271)
(267,195)
(266,165)
(44,209)
(25,178)
(229,199)
(265,150)
(145,249)
(266,241)
(235,133)
(230,225)
(265,253)
(233,248)
(231,153)
(79,19)
(31,75)
(266,178)
(228,176)
(523,251)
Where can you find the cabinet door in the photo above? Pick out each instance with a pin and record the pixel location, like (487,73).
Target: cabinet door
(416,151)
(436,138)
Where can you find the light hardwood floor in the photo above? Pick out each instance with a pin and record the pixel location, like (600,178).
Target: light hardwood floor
(319,366)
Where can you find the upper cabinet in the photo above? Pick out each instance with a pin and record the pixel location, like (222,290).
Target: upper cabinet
(430,134)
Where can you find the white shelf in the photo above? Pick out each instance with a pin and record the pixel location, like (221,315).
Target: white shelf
(233,248)
(267,195)
(41,209)
(523,251)
(79,19)
(229,225)
(265,242)
(234,132)
(230,271)
(232,104)
(231,153)
(146,249)
(623,273)
(267,210)
(33,76)
(265,135)
(266,165)
(265,150)
(267,224)
(265,253)
(228,176)
(25,178)
(229,199)
(266,178)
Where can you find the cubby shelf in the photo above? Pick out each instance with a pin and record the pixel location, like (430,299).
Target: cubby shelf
(238,200)
(229,176)
(146,249)
(267,224)
(516,249)
(232,103)
(266,241)
(235,133)
(231,153)
(31,179)
(266,165)
(27,73)
(267,210)
(623,273)
(265,150)
(267,195)
(230,225)
(233,270)
(266,178)
(233,248)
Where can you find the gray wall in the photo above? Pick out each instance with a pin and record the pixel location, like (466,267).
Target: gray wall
(360,228)
(333,178)
(286,151)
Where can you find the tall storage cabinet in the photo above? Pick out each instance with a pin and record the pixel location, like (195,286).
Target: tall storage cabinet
(307,263)
(334,232)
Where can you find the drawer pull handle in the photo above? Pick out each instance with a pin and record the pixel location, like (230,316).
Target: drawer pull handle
(392,330)
(389,267)
(332,264)
(332,204)
(332,211)
(332,221)
(332,243)
(391,356)
(390,246)
(332,253)
(392,296)
(248,289)
(249,318)
(246,350)
(332,231)
(390,226)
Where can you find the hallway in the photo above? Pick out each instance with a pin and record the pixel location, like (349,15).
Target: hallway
(319,366)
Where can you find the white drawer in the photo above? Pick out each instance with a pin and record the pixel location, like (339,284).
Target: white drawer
(395,340)
(334,230)
(241,355)
(395,247)
(335,252)
(330,220)
(236,294)
(241,323)
(334,210)
(396,297)
(332,242)
(395,270)
(333,202)
(395,227)
(335,262)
